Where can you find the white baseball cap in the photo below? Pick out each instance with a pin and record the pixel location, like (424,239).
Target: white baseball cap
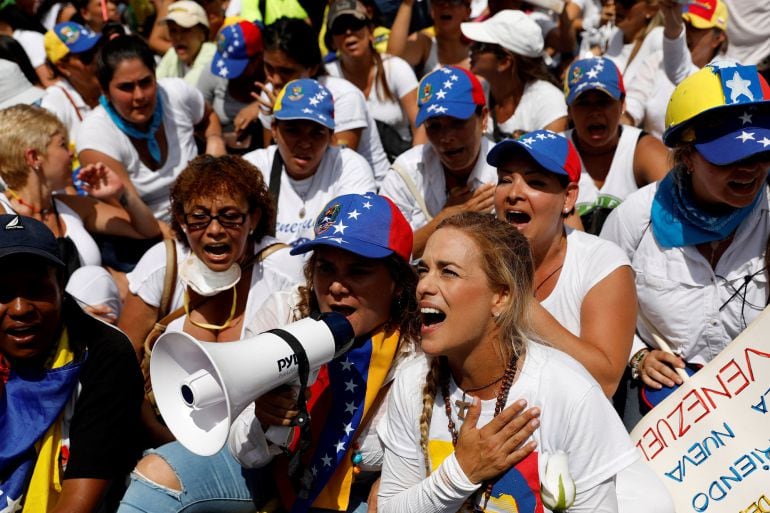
(511,29)
(187,14)
(14,86)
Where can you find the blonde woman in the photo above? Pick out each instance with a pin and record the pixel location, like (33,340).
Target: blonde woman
(464,439)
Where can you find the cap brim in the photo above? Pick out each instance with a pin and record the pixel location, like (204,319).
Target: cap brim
(476,31)
(359,247)
(293,115)
(735,146)
(184,23)
(234,67)
(453,109)
(510,146)
(26,250)
(613,93)
(698,22)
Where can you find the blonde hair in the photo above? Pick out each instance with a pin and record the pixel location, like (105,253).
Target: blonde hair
(24,127)
(506,259)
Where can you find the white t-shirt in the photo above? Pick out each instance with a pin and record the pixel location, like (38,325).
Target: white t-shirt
(33,43)
(576,418)
(183,108)
(341,171)
(541,103)
(66,103)
(278,271)
(401,81)
(422,164)
(88,251)
(619,52)
(747,31)
(694,307)
(350,112)
(620,180)
(588,261)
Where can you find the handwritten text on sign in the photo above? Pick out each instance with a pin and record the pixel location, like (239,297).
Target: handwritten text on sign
(710,440)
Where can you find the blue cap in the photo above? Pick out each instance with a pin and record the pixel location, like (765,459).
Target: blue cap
(237,44)
(449,91)
(305,99)
(594,73)
(368,225)
(66,38)
(553,152)
(21,235)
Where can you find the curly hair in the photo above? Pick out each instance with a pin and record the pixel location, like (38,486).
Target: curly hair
(206,176)
(404,311)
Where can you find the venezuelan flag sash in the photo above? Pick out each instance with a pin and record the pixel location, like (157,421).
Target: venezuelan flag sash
(340,399)
(30,408)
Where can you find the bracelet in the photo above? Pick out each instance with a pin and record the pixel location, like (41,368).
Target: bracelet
(636,362)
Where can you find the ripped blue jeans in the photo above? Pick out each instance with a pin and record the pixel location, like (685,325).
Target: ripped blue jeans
(209,483)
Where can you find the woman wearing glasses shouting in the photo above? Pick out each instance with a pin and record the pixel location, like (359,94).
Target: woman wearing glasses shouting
(226,264)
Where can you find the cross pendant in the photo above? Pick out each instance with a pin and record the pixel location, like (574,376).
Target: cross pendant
(462,408)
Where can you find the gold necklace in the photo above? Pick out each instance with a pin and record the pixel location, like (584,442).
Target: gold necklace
(211,326)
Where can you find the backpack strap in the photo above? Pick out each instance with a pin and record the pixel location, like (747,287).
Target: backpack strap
(275,182)
(412,190)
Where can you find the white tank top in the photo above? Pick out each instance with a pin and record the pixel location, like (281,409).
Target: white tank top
(620,181)
(88,251)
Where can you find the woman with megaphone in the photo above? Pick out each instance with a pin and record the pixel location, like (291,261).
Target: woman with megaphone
(359,267)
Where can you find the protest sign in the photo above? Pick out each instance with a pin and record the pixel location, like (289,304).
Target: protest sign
(709,441)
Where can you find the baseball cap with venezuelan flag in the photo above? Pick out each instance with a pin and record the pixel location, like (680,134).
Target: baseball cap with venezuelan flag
(723,109)
(449,91)
(706,14)
(305,99)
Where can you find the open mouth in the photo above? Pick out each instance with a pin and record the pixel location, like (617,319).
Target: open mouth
(22,332)
(743,186)
(596,130)
(218,250)
(343,309)
(432,316)
(453,153)
(517,217)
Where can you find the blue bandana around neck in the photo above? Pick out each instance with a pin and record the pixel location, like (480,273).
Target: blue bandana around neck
(149,135)
(677,221)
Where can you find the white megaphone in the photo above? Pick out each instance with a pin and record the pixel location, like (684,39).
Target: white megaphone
(201,387)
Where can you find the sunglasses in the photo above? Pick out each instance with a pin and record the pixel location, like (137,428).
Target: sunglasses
(346,23)
(478,47)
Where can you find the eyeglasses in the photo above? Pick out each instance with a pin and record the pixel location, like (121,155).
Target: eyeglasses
(346,23)
(229,219)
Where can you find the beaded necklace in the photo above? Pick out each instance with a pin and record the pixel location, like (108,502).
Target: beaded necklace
(502,397)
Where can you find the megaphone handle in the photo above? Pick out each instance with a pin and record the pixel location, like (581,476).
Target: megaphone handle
(303,418)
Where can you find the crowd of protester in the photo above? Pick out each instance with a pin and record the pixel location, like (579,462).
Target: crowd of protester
(536,216)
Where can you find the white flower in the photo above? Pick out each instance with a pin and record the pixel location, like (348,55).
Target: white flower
(557,489)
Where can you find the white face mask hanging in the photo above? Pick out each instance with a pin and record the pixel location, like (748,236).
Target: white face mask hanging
(196,275)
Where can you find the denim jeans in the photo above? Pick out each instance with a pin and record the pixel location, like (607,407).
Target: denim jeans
(209,483)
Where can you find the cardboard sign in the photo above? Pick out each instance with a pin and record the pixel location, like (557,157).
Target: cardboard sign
(709,441)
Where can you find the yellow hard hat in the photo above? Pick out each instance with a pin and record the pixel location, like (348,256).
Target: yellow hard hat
(719,100)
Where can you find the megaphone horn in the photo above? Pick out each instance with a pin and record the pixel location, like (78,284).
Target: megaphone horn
(201,387)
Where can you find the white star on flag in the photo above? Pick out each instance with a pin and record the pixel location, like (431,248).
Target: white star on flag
(551,136)
(223,73)
(313,102)
(230,49)
(337,240)
(221,63)
(327,460)
(323,118)
(765,142)
(339,228)
(367,205)
(746,136)
(340,446)
(528,140)
(445,70)
(432,107)
(441,110)
(354,215)
(739,87)
(542,137)
(350,408)
(348,428)
(448,84)
(746,118)
(350,386)
(13,505)
(347,364)
(440,94)
(314,470)
(453,78)
(593,73)
(306,110)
